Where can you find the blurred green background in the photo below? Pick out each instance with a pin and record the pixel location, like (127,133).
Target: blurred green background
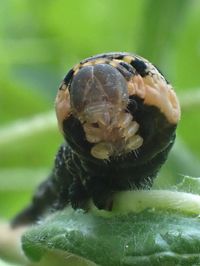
(41,40)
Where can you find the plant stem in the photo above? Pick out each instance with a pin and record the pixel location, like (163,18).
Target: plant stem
(137,201)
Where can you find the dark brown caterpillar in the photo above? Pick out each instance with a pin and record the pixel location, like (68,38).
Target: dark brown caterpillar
(118,116)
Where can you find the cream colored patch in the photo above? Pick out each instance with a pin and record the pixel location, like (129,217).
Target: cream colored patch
(62,105)
(95,62)
(10,244)
(115,62)
(89,63)
(99,61)
(136,87)
(156,92)
(128,58)
(76,69)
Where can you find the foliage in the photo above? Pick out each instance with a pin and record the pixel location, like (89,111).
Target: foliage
(149,228)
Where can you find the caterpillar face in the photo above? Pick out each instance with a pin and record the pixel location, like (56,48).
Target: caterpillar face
(112,105)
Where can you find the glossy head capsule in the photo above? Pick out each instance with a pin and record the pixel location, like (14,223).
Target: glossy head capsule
(97,88)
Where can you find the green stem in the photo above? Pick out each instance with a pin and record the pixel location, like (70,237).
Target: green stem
(137,201)
(26,127)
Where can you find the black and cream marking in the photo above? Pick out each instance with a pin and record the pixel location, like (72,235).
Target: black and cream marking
(118,116)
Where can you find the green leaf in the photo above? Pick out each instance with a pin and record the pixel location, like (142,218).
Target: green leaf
(145,228)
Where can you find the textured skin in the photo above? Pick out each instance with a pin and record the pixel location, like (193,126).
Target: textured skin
(78,177)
